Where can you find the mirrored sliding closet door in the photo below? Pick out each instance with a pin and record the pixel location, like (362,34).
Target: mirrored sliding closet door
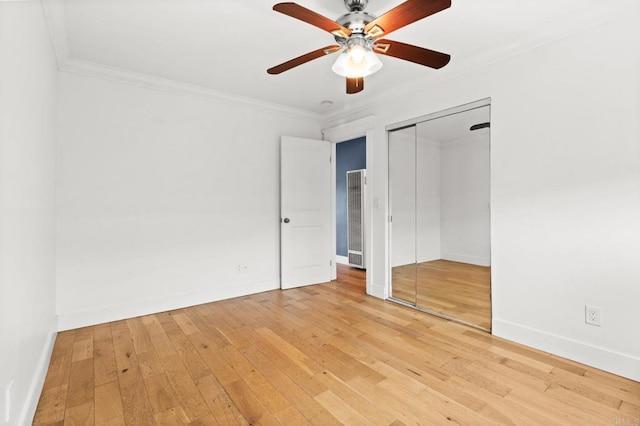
(439,189)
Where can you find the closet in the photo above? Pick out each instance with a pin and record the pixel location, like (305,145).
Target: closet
(439,192)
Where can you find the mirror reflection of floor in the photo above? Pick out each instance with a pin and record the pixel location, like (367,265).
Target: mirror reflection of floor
(455,289)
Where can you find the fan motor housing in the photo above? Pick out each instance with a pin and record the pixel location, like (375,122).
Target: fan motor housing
(356,21)
(355,5)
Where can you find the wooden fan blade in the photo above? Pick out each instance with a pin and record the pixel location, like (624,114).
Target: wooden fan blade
(303,59)
(406,13)
(355,85)
(409,52)
(310,17)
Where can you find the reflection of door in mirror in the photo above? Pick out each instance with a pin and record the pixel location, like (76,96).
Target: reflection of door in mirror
(402,193)
(451,225)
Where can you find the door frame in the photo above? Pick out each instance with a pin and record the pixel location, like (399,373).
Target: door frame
(342,133)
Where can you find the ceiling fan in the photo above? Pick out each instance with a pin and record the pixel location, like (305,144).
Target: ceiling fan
(358,36)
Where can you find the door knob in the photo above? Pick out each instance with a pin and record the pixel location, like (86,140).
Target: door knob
(286,220)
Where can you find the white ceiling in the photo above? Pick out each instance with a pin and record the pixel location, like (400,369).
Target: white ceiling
(227,45)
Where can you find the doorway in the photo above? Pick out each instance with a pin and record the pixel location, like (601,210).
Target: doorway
(350,156)
(345,132)
(332,136)
(439,192)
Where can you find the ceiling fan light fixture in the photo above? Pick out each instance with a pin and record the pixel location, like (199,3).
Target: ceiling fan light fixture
(357,61)
(357,35)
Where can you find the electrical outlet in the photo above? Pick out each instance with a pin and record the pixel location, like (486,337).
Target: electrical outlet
(8,402)
(593,315)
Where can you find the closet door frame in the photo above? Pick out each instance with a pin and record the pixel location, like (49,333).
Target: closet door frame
(399,126)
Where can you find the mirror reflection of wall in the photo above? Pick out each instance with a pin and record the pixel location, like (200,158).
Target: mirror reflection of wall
(451,240)
(402,188)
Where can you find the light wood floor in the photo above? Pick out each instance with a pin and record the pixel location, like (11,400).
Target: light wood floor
(458,290)
(325,354)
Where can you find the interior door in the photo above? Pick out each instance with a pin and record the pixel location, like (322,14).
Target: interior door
(305,209)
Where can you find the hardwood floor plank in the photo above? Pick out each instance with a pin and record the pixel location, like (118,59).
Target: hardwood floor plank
(82,349)
(80,415)
(433,406)
(139,335)
(301,376)
(116,421)
(458,368)
(249,404)
(232,334)
(268,395)
(169,324)
(290,416)
(220,404)
(51,406)
(104,360)
(294,394)
(512,413)
(211,355)
(629,410)
(289,350)
(548,406)
(508,377)
(158,336)
(394,404)
(108,402)
(595,411)
(185,324)
(191,359)
(205,421)
(80,389)
(136,407)
(191,401)
(60,364)
(171,417)
(149,364)
(342,411)
(318,355)
(372,412)
(161,394)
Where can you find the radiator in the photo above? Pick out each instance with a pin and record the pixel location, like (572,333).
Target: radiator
(356,181)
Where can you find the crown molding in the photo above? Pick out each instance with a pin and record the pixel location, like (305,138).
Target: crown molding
(587,19)
(55,17)
(91,69)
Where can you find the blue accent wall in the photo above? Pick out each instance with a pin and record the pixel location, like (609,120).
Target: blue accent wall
(350,155)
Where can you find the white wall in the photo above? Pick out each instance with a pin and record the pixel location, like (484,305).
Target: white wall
(27,205)
(565,190)
(161,196)
(439,199)
(465,227)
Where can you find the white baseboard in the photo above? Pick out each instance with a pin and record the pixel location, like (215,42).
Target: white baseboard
(342,260)
(463,258)
(621,364)
(37,382)
(72,320)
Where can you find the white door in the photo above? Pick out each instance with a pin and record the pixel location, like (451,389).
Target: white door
(305,212)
